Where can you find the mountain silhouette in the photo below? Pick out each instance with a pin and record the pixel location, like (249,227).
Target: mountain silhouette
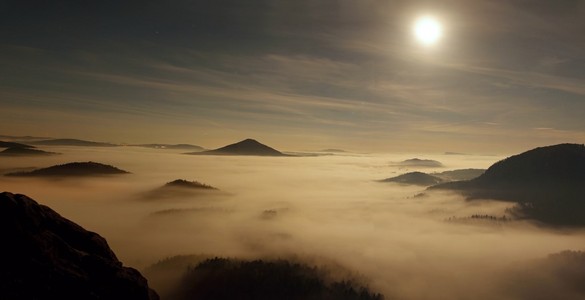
(45,256)
(547,183)
(415,178)
(417,162)
(72,169)
(460,174)
(179,188)
(4,144)
(72,142)
(20,151)
(245,147)
(182,183)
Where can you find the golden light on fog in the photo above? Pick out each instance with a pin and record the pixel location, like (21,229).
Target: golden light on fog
(427,30)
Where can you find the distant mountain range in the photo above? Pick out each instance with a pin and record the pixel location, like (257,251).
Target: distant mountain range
(72,169)
(546,183)
(424,179)
(72,142)
(172,146)
(45,256)
(417,162)
(460,174)
(4,144)
(248,147)
(20,151)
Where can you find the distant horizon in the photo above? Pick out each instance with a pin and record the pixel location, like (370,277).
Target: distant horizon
(218,144)
(297,75)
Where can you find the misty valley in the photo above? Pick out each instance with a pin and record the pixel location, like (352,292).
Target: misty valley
(247,221)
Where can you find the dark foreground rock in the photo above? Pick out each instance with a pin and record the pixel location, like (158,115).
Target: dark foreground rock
(45,256)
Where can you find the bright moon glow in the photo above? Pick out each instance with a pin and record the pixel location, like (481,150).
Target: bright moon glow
(427,30)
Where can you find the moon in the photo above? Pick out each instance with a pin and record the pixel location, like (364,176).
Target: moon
(427,30)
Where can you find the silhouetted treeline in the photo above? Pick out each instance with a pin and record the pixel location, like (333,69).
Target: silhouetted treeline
(223,279)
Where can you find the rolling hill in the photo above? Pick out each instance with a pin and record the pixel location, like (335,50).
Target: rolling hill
(73,169)
(179,188)
(4,144)
(415,178)
(19,151)
(248,147)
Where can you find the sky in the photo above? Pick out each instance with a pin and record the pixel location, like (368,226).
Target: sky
(506,76)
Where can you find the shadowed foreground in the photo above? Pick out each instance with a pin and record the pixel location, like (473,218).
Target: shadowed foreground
(45,256)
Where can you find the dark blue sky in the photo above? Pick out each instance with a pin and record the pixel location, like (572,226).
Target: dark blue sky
(302,74)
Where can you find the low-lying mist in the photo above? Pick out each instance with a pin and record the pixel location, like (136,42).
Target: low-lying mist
(325,209)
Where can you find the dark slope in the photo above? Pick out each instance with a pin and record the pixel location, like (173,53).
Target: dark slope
(461,174)
(73,169)
(415,178)
(45,256)
(548,183)
(245,147)
(19,151)
(72,142)
(181,183)
(180,188)
(4,144)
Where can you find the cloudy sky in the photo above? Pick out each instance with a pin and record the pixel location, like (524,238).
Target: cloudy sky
(297,75)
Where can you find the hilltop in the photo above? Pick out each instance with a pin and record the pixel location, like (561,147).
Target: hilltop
(19,151)
(425,179)
(547,183)
(417,162)
(180,188)
(248,147)
(4,144)
(72,169)
(415,178)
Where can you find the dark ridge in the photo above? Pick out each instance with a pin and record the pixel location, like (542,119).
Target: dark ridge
(547,183)
(182,183)
(45,256)
(416,162)
(223,279)
(73,169)
(458,175)
(415,178)
(172,147)
(19,151)
(180,188)
(72,142)
(24,139)
(246,147)
(4,144)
